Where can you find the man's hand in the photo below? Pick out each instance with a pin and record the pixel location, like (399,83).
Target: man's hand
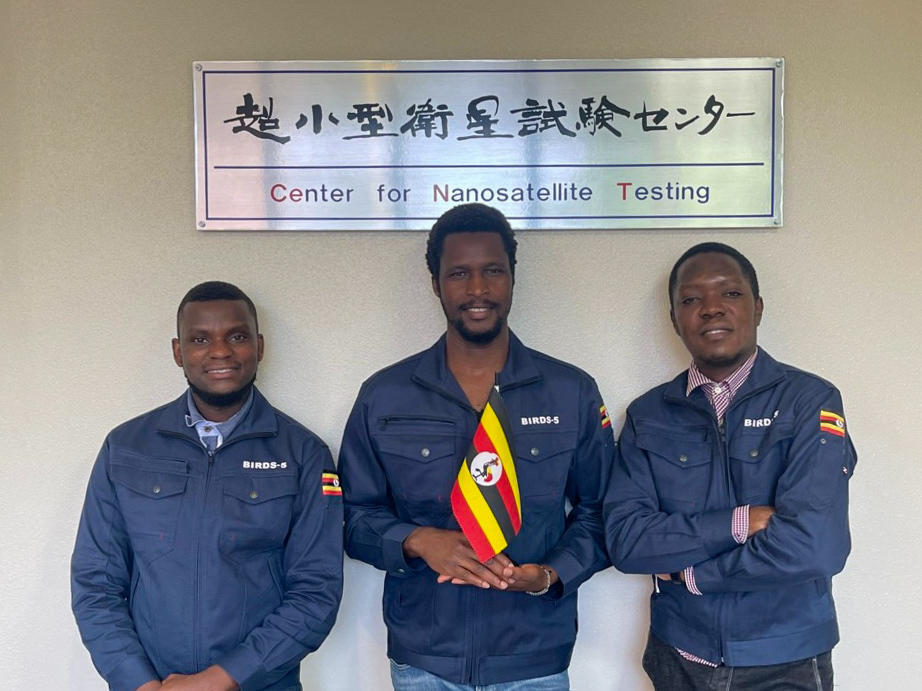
(150,686)
(524,578)
(211,679)
(449,554)
(529,577)
(759,516)
(668,577)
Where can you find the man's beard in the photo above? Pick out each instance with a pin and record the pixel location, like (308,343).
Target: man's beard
(479,337)
(223,400)
(723,361)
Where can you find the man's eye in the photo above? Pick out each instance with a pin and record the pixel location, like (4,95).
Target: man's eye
(199,340)
(494,272)
(733,293)
(457,274)
(238,338)
(688,300)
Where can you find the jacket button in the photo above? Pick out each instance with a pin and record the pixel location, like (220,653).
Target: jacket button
(156,489)
(253,494)
(401,571)
(683,458)
(424,452)
(822,440)
(535,451)
(754,453)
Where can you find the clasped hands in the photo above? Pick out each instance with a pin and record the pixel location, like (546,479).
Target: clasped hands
(213,678)
(450,555)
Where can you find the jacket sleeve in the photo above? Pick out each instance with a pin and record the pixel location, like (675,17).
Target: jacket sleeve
(374,531)
(101,583)
(640,537)
(808,537)
(312,582)
(580,552)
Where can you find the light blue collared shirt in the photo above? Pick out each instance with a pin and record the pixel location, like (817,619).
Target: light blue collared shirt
(213,434)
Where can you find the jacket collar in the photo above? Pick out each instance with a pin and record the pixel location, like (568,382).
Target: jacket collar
(260,420)
(765,372)
(432,370)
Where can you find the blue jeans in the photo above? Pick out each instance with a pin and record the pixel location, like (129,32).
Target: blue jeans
(408,678)
(669,671)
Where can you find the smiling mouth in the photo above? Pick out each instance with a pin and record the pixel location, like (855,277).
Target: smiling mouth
(720,331)
(480,307)
(221,370)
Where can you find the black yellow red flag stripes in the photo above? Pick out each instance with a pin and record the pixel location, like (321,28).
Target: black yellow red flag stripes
(330,484)
(485,498)
(832,423)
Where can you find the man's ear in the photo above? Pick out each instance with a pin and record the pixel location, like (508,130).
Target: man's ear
(758,310)
(675,326)
(177,352)
(260,346)
(435,288)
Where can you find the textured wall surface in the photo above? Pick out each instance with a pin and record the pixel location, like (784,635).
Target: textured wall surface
(97,245)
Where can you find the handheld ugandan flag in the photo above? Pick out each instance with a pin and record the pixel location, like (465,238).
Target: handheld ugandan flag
(485,498)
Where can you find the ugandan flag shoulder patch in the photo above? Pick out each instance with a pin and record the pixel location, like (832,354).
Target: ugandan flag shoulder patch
(330,485)
(606,419)
(832,423)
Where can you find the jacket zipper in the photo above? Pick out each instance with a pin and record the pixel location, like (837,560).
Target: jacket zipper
(474,607)
(196,587)
(725,454)
(198,581)
(725,459)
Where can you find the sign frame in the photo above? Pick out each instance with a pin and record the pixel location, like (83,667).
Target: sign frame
(526,163)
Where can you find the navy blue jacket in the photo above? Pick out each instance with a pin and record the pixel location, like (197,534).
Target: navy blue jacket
(184,560)
(679,475)
(401,453)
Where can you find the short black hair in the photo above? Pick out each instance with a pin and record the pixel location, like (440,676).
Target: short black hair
(469,218)
(215,290)
(746,267)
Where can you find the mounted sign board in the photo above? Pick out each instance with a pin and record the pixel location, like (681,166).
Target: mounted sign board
(564,144)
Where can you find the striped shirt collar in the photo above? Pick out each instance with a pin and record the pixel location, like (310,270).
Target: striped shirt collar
(733,382)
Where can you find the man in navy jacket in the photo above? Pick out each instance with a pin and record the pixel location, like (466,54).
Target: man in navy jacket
(454,622)
(731,485)
(209,553)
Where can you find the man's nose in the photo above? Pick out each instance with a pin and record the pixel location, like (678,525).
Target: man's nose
(477,284)
(219,348)
(712,306)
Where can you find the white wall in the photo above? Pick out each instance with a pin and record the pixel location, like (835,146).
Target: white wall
(97,245)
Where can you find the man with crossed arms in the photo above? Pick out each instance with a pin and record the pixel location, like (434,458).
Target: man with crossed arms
(731,484)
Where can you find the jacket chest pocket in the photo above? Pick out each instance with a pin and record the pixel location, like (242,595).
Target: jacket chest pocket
(757,461)
(151,493)
(682,466)
(257,512)
(421,460)
(542,464)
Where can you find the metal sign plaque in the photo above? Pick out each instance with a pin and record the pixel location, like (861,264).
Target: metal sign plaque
(551,143)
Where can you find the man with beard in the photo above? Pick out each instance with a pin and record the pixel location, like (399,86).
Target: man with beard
(731,485)
(209,552)
(454,622)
